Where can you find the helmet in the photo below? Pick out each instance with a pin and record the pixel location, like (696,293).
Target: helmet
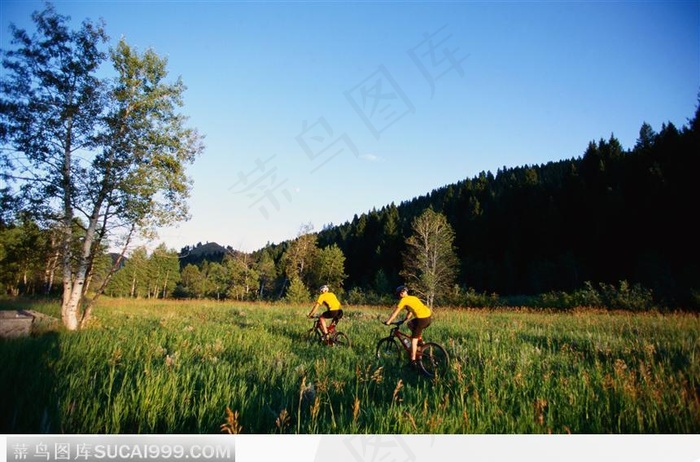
(323,287)
(400,289)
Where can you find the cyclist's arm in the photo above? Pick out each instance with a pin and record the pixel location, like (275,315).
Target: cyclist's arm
(393,315)
(313,310)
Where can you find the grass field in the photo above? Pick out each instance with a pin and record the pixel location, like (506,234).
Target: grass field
(206,367)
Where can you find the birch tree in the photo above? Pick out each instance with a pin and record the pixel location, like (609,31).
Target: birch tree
(429,262)
(106,153)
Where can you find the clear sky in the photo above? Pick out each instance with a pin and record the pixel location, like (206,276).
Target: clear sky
(316,111)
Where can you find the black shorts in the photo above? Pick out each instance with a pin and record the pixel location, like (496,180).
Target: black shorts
(335,315)
(417,325)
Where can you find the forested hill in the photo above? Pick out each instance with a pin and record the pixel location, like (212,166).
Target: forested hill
(607,216)
(196,254)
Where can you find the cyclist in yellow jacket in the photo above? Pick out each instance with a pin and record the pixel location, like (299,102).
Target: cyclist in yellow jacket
(416,309)
(333,310)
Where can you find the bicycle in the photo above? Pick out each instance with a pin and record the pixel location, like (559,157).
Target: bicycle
(431,358)
(335,337)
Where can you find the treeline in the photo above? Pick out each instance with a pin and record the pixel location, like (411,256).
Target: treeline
(612,228)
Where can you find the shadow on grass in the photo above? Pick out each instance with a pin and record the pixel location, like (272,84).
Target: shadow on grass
(28,395)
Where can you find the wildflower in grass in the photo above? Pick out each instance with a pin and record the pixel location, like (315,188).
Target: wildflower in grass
(171,360)
(367,375)
(300,370)
(116,356)
(540,407)
(434,422)
(620,366)
(519,380)
(307,393)
(282,421)
(608,382)
(322,386)
(395,396)
(649,350)
(355,410)
(231,425)
(338,385)
(377,375)
(459,372)
(315,408)
(410,418)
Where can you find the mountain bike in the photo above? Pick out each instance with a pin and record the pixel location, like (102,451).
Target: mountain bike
(431,358)
(335,337)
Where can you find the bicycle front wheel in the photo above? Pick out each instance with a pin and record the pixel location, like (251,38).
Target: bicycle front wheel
(341,339)
(313,336)
(389,352)
(434,360)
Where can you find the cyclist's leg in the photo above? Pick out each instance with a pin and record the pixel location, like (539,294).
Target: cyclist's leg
(413,325)
(417,325)
(337,314)
(325,316)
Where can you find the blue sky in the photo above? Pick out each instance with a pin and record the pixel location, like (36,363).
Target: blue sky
(316,111)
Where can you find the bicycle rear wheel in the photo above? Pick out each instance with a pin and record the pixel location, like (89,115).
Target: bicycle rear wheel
(434,360)
(389,352)
(341,339)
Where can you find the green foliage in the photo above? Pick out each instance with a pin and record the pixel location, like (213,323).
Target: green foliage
(429,263)
(298,259)
(470,298)
(23,248)
(357,296)
(297,292)
(149,276)
(243,276)
(625,297)
(329,268)
(147,367)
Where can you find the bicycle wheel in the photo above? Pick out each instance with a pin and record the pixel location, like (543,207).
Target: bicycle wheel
(341,339)
(434,360)
(313,336)
(389,351)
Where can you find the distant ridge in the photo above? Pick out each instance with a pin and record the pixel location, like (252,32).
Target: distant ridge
(210,248)
(211,251)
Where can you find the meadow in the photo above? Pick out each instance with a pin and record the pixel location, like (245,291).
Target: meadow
(204,367)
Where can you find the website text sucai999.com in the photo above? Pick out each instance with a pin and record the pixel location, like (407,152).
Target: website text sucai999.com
(121,448)
(161,451)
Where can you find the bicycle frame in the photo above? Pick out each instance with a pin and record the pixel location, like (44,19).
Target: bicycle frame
(405,339)
(330,327)
(334,337)
(431,358)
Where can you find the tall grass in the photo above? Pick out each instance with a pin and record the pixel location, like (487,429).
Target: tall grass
(208,367)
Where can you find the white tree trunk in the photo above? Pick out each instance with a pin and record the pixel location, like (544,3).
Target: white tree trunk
(71,306)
